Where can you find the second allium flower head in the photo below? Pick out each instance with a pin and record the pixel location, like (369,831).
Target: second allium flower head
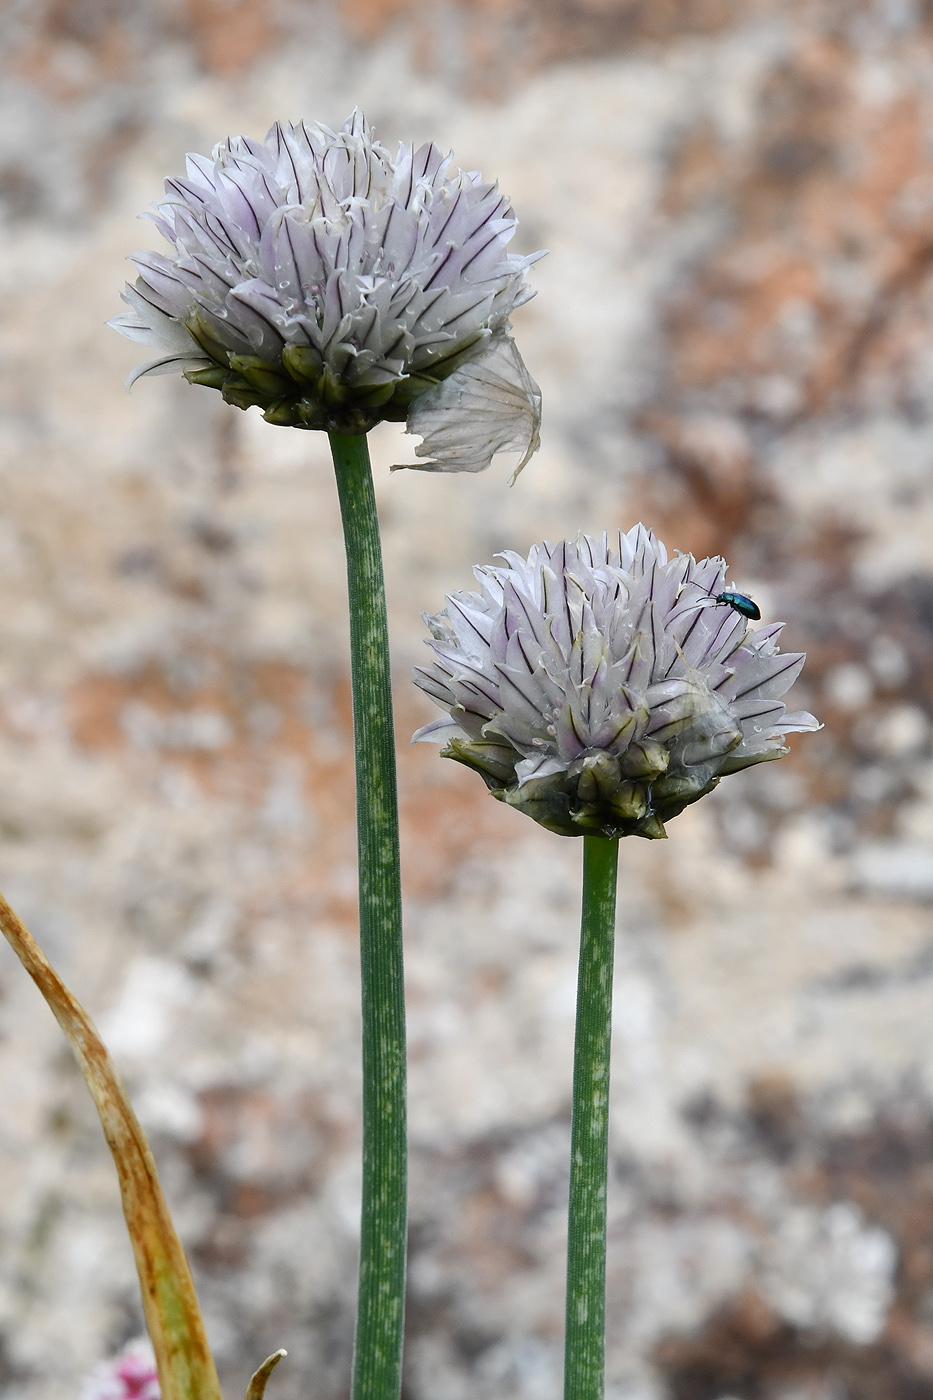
(334,287)
(599,687)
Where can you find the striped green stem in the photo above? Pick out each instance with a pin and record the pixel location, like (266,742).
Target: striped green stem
(377,1359)
(585,1344)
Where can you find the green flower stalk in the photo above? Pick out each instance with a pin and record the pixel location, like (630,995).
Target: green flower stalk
(380,1308)
(601,687)
(584,1345)
(316,278)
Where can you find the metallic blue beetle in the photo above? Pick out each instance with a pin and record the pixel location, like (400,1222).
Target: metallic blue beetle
(739,603)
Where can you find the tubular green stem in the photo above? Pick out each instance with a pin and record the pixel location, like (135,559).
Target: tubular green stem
(585,1344)
(377,1359)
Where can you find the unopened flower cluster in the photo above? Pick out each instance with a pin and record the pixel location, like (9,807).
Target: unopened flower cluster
(334,287)
(599,686)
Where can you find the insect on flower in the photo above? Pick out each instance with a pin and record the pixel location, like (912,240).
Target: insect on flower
(738,602)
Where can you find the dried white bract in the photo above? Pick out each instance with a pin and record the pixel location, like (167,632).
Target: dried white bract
(488,405)
(599,687)
(313,275)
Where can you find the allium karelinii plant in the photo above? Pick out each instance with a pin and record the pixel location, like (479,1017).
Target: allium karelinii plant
(313,275)
(600,687)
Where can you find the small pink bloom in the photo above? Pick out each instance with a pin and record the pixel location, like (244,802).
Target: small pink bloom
(131,1375)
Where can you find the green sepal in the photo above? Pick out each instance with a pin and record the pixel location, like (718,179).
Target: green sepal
(259,376)
(599,778)
(284,414)
(673,806)
(590,818)
(444,365)
(311,413)
(630,802)
(495,763)
(550,810)
(332,389)
(303,363)
(376,396)
(646,759)
(393,412)
(237,392)
(682,787)
(198,327)
(406,390)
(212,378)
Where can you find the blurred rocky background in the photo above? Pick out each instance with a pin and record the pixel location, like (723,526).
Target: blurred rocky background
(734,337)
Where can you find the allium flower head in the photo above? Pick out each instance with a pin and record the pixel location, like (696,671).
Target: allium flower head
(316,277)
(599,687)
(131,1375)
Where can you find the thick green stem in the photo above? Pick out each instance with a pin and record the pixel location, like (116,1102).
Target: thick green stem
(585,1345)
(377,1360)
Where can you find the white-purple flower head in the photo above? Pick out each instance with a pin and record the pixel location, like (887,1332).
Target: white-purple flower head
(131,1375)
(599,686)
(313,275)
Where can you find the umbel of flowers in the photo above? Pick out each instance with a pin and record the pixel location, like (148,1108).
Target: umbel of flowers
(600,687)
(313,275)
